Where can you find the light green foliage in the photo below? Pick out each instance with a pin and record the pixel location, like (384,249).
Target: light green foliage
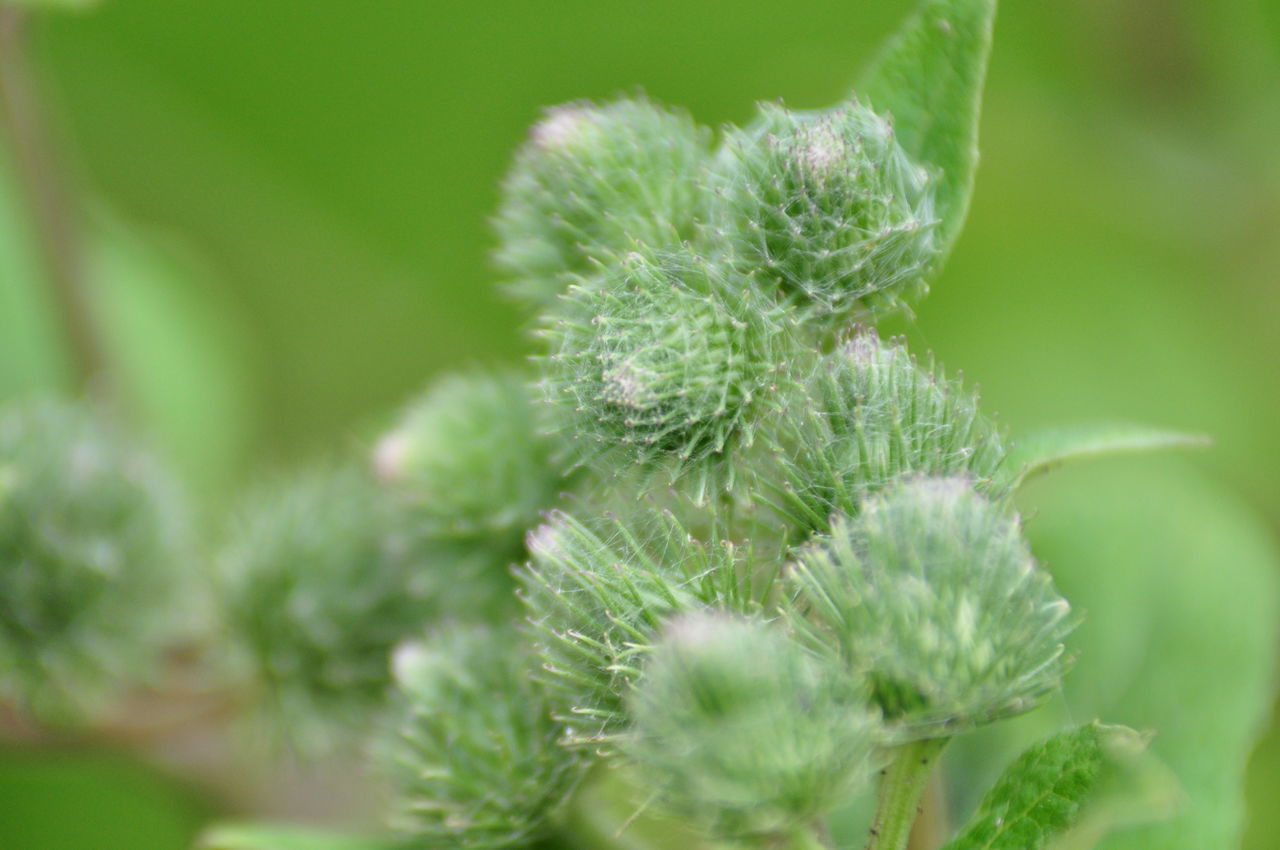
(253,837)
(932,593)
(468,473)
(740,729)
(826,208)
(315,601)
(592,181)
(473,752)
(1180,582)
(597,596)
(662,357)
(928,79)
(90,559)
(866,414)
(1052,447)
(1058,792)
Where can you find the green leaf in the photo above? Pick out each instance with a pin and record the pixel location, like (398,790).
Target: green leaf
(1179,580)
(1043,450)
(255,837)
(929,79)
(1071,789)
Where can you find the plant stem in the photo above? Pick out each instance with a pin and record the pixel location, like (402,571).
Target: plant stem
(54,215)
(901,787)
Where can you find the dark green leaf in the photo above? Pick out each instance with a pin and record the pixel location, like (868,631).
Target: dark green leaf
(929,79)
(1070,789)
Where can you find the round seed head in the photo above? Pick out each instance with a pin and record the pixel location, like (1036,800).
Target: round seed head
(593,180)
(746,732)
(89,558)
(827,206)
(932,594)
(472,749)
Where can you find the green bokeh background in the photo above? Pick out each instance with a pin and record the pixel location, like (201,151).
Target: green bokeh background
(289,202)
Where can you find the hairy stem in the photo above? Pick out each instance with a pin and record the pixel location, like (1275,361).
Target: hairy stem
(53,213)
(901,787)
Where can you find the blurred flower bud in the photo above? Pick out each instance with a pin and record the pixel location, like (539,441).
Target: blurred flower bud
(932,593)
(744,731)
(89,559)
(472,749)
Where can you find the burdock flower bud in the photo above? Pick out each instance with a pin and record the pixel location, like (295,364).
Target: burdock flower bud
(660,359)
(827,206)
(593,180)
(865,415)
(596,597)
(932,594)
(314,601)
(745,731)
(472,749)
(89,559)
(467,461)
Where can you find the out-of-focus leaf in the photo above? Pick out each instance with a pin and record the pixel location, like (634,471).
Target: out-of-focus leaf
(256,837)
(175,353)
(1070,790)
(32,355)
(1043,450)
(1179,582)
(929,78)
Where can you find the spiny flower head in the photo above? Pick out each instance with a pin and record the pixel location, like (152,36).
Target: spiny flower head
(745,731)
(827,206)
(663,358)
(472,749)
(467,460)
(468,472)
(593,180)
(89,558)
(315,601)
(865,415)
(931,592)
(596,595)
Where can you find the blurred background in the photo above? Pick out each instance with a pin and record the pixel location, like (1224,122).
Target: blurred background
(282,211)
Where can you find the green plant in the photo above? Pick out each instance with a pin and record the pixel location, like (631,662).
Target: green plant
(765,559)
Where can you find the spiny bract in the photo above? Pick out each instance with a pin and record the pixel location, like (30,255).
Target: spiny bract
(827,206)
(89,551)
(932,593)
(660,358)
(597,595)
(316,602)
(594,180)
(744,731)
(473,750)
(866,414)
